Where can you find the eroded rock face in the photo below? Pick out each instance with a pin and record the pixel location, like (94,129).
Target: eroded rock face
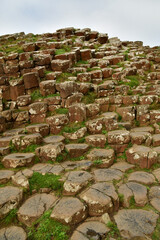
(34,207)
(101,198)
(145,157)
(69,210)
(10,199)
(49,151)
(106,156)
(76,180)
(135,223)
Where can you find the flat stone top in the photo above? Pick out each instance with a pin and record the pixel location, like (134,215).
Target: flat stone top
(54,139)
(19,156)
(135,222)
(142,177)
(5,175)
(9,193)
(143,129)
(13,233)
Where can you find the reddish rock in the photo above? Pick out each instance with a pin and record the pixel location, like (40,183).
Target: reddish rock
(77,112)
(31,80)
(143,156)
(60,65)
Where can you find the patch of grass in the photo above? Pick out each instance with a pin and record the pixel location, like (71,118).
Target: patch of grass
(121,198)
(154,106)
(63,77)
(11,217)
(81,140)
(31,148)
(123,156)
(61,157)
(130,92)
(77,158)
(38,181)
(137,123)
(134,81)
(81,62)
(46,228)
(36,95)
(132,202)
(114,232)
(62,111)
(73,127)
(97,162)
(119,117)
(89,98)
(156,233)
(62,50)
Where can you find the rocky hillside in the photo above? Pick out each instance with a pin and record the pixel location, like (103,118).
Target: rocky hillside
(80,137)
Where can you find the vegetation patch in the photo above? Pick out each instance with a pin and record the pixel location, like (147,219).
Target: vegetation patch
(38,181)
(46,228)
(89,98)
(62,111)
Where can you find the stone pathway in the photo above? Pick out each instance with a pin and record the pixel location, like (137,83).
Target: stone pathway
(79,137)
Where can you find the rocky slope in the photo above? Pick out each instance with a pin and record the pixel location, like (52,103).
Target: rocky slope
(80,137)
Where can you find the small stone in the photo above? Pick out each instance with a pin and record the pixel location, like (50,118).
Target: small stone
(123,166)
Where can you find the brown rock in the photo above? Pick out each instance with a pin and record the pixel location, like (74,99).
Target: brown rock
(15,160)
(13,232)
(145,157)
(31,80)
(69,210)
(10,199)
(34,207)
(77,149)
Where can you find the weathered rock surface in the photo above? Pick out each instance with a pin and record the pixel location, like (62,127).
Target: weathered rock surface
(10,199)
(135,223)
(69,210)
(34,207)
(13,232)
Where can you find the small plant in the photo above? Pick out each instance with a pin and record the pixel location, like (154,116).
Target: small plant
(97,162)
(62,111)
(89,98)
(132,202)
(30,148)
(11,217)
(81,62)
(114,232)
(121,197)
(73,127)
(137,123)
(46,228)
(81,140)
(38,181)
(119,117)
(36,95)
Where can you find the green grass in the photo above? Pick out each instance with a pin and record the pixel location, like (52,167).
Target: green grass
(114,232)
(89,98)
(132,202)
(31,148)
(63,77)
(73,127)
(38,181)
(134,81)
(97,162)
(62,50)
(81,62)
(46,228)
(62,111)
(36,95)
(11,217)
